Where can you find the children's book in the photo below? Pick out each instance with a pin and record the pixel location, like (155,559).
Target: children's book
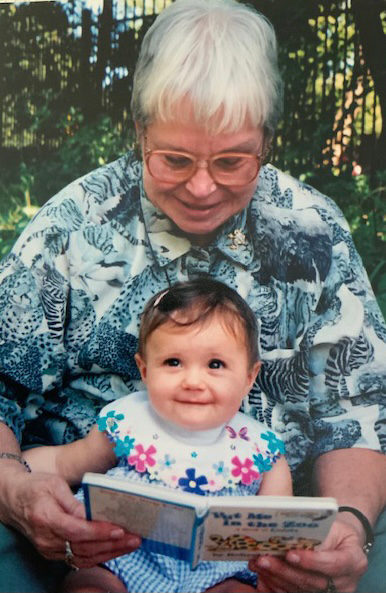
(196,528)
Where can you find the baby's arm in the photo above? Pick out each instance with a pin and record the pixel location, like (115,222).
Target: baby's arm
(277,481)
(93,453)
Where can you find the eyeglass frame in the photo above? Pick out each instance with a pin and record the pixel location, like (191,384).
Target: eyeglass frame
(202,163)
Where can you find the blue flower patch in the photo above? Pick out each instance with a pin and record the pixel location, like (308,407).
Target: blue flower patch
(110,421)
(263,464)
(274,443)
(124,447)
(191,483)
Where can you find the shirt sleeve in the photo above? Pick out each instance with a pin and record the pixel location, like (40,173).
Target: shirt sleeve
(323,387)
(67,333)
(34,285)
(348,355)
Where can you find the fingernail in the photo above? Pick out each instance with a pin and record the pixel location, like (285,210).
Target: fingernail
(133,541)
(117,534)
(294,558)
(264,563)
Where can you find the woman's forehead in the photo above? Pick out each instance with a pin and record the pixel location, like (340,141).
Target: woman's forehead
(187,114)
(192,136)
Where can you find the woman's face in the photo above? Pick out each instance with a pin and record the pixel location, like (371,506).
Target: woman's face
(199,206)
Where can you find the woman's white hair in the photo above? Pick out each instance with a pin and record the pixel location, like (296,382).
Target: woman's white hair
(220,55)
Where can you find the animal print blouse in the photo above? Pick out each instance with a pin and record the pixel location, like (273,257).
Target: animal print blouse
(73,288)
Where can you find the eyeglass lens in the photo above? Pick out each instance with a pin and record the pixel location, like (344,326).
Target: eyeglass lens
(226,169)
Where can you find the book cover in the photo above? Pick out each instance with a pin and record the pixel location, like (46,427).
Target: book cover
(166,520)
(196,528)
(238,529)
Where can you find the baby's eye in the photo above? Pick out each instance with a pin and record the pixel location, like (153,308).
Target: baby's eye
(215,363)
(172,362)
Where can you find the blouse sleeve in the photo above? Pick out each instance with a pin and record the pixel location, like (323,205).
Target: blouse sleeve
(325,388)
(33,293)
(348,356)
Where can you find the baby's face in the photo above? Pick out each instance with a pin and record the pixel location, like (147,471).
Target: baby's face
(197,376)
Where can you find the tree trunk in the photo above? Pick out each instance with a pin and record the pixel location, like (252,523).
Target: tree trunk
(104,51)
(86,80)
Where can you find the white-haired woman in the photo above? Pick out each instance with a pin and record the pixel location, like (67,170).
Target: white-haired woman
(206,99)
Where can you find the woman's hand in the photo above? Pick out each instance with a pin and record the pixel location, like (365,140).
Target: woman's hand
(340,557)
(43,508)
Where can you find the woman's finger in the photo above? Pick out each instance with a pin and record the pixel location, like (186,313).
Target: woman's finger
(288,578)
(90,561)
(340,554)
(262,586)
(106,549)
(270,585)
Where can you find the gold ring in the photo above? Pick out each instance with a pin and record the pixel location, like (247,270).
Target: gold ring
(69,555)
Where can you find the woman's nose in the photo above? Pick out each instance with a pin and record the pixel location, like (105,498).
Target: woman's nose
(201,183)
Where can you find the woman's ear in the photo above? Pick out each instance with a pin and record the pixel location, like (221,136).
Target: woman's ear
(138,145)
(141,364)
(140,133)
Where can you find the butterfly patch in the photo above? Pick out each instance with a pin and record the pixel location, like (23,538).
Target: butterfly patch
(242,434)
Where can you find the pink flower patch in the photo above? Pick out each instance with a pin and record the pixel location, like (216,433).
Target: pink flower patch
(244,470)
(142,458)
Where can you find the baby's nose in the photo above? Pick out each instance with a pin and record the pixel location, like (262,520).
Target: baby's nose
(193,379)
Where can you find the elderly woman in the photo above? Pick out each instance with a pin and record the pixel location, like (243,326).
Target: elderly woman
(206,100)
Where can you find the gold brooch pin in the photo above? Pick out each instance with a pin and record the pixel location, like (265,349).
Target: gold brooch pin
(237,238)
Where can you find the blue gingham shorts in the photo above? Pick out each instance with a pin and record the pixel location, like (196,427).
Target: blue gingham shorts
(146,572)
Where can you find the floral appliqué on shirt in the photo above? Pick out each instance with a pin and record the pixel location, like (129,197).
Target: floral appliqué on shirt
(234,459)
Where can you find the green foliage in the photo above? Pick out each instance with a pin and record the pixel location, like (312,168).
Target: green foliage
(85,147)
(11,225)
(362,201)
(43,173)
(26,185)
(38,80)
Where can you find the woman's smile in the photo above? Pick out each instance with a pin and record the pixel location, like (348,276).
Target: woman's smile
(197,208)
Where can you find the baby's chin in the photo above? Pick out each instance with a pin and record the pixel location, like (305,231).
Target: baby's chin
(194,419)
(198,424)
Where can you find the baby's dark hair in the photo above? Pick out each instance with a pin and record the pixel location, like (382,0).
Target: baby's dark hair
(200,299)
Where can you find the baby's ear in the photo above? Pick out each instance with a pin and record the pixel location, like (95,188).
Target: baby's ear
(254,372)
(141,364)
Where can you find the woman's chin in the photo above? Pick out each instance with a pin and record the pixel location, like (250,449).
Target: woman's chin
(196,234)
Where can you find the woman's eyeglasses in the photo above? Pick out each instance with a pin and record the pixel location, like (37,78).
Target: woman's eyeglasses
(225,168)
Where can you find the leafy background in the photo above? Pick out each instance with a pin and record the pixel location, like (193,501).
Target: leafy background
(65,83)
